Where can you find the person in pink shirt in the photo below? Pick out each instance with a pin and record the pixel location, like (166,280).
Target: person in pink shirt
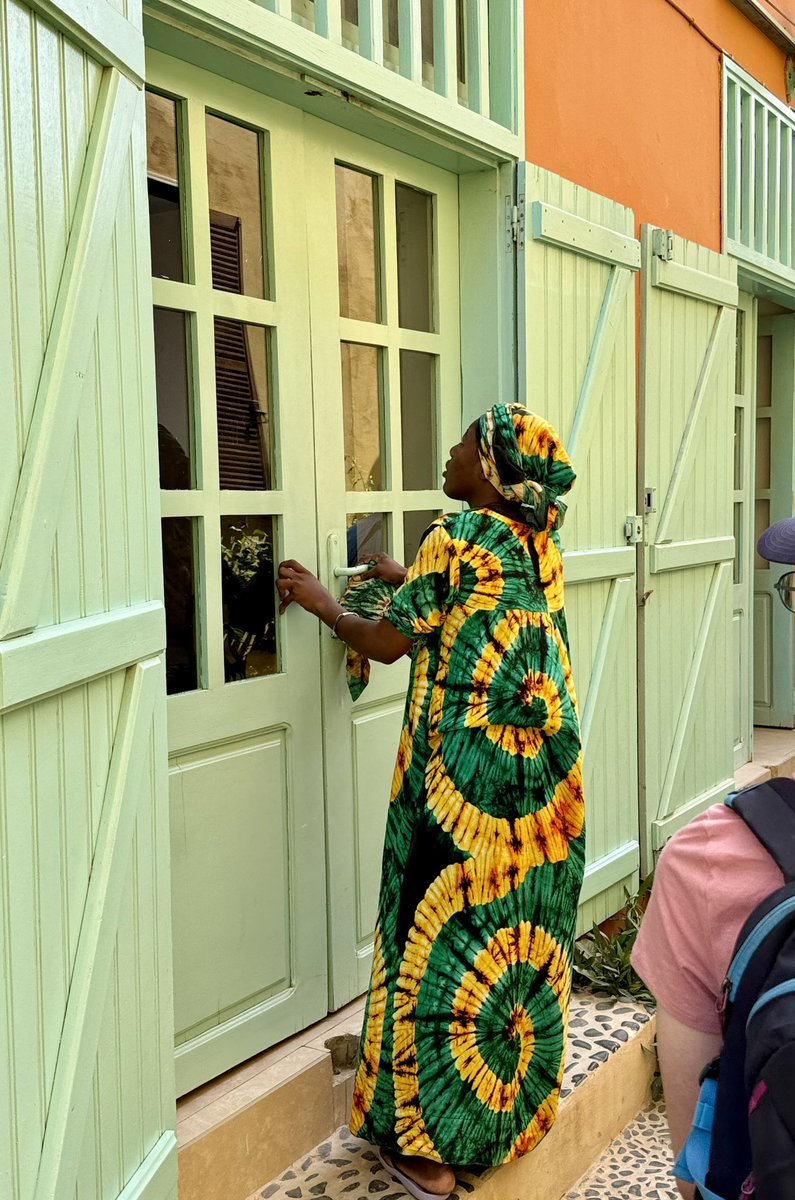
(709,879)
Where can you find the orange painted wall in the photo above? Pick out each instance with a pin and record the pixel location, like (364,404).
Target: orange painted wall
(630,106)
(782,11)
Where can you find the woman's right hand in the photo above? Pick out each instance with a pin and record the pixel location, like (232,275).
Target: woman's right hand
(386,568)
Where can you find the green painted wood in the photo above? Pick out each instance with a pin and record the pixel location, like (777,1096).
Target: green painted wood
(488,289)
(697,552)
(758,161)
(60,656)
(445,46)
(86,951)
(328,19)
(558,228)
(72,1077)
(410,37)
(743,484)
(506,71)
(477,55)
(254,29)
(100,28)
(690,281)
(371,30)
(31,525)
(360,740)
(686,455)
(247,804)
(576,324)
(773,634)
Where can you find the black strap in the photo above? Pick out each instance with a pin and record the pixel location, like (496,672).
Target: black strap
(769,812)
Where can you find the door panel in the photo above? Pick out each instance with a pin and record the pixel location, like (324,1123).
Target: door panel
(235,411)
(577,366)
(383,260)
(689,296)
(88,1095)
(773,492)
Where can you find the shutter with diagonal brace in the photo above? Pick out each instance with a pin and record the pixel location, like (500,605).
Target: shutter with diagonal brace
(689,298)
(577,262)
(85,1052)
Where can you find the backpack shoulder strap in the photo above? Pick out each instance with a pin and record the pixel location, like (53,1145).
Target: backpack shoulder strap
(768,810)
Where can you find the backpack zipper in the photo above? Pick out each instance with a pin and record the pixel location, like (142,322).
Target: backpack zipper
(781,989)
(754,939)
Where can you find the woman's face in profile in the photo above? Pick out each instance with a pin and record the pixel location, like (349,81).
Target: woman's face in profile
(462,470)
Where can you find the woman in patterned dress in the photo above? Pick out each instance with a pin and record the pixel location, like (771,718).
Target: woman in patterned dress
(462,1052)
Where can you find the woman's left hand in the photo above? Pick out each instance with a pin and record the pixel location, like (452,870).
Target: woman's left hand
(297,585)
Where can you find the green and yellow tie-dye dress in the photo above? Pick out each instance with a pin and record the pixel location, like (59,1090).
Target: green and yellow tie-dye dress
(462,1052)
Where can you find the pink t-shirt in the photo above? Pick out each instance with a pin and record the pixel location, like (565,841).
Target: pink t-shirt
(709,878)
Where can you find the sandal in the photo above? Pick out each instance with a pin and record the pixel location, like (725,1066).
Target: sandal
(405,1181)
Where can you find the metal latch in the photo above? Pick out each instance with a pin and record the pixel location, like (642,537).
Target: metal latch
(514,223)
(650,500)
(662,244)
(633,530)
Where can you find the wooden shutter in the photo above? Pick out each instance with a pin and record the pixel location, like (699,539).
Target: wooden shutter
(241,419)
(689,297)
(86,1049)
(577,262)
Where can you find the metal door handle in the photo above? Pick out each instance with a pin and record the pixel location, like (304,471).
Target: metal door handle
(348,572)
(333,556)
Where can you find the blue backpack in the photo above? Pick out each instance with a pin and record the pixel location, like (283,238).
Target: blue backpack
(742,1142)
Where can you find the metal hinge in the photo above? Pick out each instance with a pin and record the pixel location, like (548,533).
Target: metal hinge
(662,244)
(514,223)
(633,530)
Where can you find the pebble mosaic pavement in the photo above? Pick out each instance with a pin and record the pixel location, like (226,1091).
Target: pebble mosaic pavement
(638,1163)
(345,1168)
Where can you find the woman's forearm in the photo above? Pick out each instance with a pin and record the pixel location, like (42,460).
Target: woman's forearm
(377,640)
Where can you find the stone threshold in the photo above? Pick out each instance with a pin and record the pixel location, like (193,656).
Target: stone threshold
(249,1124)
(610,1065)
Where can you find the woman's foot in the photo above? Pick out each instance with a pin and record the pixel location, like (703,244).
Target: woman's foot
(433,1177)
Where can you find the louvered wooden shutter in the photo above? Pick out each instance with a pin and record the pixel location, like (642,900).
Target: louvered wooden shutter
(241,458)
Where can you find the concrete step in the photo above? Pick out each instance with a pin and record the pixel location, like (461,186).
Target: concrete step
(637,1163)
(607,1081)
(774,749)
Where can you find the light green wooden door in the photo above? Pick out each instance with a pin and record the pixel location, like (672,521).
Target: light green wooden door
(87,1099)
(689,297)
(774,488)
(577,262)
(383,264)
(235,412)
(743,500)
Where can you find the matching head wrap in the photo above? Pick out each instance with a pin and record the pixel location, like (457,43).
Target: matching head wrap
(524,459)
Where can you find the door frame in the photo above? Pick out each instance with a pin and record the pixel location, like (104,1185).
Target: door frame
(780,712)
(486,268)
(745,402)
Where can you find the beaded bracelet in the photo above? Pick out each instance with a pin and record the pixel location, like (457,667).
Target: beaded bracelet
(345,613)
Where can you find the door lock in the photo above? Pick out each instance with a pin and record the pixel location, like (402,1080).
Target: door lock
(633,530)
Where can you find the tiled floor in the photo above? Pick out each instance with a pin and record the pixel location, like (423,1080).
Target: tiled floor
(638,1163)
(344,1168)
